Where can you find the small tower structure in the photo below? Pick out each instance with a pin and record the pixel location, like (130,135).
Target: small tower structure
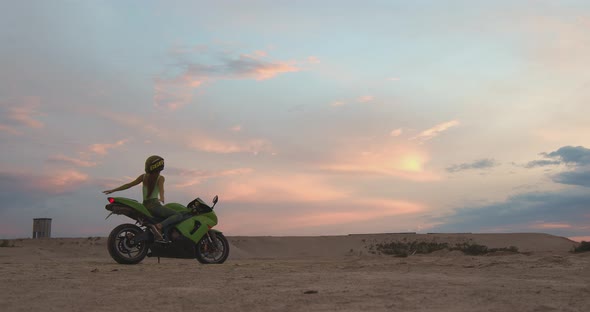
(42,228)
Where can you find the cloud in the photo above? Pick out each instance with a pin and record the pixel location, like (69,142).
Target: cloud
(288,187)
(372,209)
(236,128)
(211,145)
(23,112)
(28,187)
(571,155)
(193,138)
(580,178)
(63,180)
(396,132)
(174,89)
(313,60)
(337,103)
(61,159)
(399,161)
(478,164)
(195,177)
(253,66)
(25,115)
(554,225)
(578,160)
(173,94)
(349,214)
(525,212)
(102,149)
(9,130)
(435,131)
(365,99)
(541,163)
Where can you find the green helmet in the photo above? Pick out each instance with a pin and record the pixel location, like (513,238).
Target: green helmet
(154,164)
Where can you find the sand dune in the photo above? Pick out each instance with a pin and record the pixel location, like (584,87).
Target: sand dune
(326,273)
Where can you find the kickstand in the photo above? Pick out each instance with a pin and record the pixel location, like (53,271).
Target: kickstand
(158,260)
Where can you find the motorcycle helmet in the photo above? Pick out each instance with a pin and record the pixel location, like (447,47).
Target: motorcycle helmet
(154,164)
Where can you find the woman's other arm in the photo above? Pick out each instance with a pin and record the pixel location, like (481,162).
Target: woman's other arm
(161,188)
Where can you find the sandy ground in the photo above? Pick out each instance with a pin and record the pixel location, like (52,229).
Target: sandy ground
(331,273)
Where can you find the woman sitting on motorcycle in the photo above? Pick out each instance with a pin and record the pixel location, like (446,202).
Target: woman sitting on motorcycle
(153,187)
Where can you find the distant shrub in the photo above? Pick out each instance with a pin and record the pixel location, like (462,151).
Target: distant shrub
(583,247)
(405,249)
(474,249)
(6,243)
(402,249)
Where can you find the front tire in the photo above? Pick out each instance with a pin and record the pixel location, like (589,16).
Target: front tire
(215,252)
(120,244)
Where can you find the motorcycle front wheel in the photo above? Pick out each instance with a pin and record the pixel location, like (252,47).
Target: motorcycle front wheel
(214,251)
(122,247)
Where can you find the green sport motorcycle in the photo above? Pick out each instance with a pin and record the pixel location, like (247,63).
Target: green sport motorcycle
(191,238)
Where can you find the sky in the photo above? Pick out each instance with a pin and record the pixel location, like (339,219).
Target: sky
(304,117)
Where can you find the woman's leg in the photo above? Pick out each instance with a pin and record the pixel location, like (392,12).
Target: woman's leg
(171,215)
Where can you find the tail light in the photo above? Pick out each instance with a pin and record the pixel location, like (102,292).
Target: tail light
(111,200)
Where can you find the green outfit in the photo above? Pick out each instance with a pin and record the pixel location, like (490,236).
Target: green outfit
(154,206)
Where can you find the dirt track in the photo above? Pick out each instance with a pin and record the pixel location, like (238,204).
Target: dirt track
(79,275)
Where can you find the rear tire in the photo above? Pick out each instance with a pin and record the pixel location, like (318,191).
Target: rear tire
(212,253)
(120,247)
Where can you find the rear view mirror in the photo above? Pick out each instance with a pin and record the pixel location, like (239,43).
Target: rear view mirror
(215,199)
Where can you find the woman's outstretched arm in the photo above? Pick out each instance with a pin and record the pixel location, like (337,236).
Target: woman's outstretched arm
(126,186)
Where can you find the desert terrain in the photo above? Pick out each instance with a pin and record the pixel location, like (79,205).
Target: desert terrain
(325,273)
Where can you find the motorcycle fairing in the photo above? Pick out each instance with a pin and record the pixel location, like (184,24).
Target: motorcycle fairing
(139,207)
(196,227)
(176,207)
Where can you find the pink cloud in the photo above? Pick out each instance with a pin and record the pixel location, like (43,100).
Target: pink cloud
(313,60)
(236,128)
(400,161)
(54,182)
(173,95)
(195,139)
(365,99)
(173,91)
(102,149)
(396,132)
(270,70)
(9,130)
(198,177)
(340,214)
(260,53)
(337,103)
(372,209)
(71,161)
(435,131)
(23,112)
(280,188)
(66,179)
(551,225)
(213,145)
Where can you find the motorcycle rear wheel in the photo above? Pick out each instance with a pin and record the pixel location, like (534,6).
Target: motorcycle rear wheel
(217,252)
(122,249)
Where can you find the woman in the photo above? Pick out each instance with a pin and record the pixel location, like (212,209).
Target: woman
(153,187)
